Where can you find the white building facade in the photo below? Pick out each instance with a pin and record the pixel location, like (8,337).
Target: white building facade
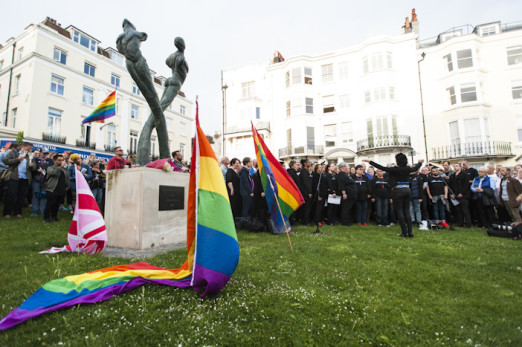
(365,101)
(53,77)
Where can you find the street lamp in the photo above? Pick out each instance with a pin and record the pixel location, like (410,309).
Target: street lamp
(422,107)
(224,96)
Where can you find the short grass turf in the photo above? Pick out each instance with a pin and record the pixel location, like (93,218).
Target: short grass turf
(347,286)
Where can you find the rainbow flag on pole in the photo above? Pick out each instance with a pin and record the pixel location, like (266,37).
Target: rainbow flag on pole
(281,193)
(106,109)
(212,251)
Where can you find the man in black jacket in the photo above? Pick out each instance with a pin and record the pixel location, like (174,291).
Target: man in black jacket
(462,193)
(349,192)
(320,192)
(380,195)
(246,187)
(292,171)
(305,178)
(333,189)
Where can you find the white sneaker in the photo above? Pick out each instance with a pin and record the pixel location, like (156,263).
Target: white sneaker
(423,225)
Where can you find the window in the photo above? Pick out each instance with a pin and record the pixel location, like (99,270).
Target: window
(88,96)
(472,130)
(454,133)
(20,53)
(514,55)
(289,139)
(84,40)
(117,58)
(60,56)
(4,119)
(378,61)
(328,104)
(14,111)
(296,75)
(54,122)
(1,64)
(327,72)
(182,128)
(468,92)
(310,137)
(330,134)
(488,30)
(297,106)
(365,65)
(57,85)
(135,89)
(115,80)
(182,149)
(464,59)
(391,93)
(367,96)
(133,145)
(288,108)
(379,94)
(449,62)
(452,96)
(309,105)
(389,62)
(89,69)
(17,84)
(258,112)
(168,121)
(135,112)
(248,89)
(343,71)
(287,79)
(182,110)
(111,135)
(344,101)
(382,126)
(117,105)
(308,75)
(519,128)
(347,132)
(516,90)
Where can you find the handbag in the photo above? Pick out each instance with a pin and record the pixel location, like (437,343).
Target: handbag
(488,197)
(6,175)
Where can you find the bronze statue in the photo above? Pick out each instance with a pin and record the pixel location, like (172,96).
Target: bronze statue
(176,61)
(128,44)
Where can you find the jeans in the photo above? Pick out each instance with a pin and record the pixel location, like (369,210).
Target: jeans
(401,201)
(98,195)
(361,211)
(38,201)
(415,210)
(438,209)
(381,207)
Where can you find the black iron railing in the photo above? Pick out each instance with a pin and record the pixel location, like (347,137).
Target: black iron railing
(109,148)
(300,151)
(85,144)
(53,138)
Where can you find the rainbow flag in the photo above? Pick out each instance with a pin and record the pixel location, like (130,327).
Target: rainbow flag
(277,184)
(106,109)
(212,251)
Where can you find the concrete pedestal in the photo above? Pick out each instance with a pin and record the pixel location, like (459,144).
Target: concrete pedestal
(132,209)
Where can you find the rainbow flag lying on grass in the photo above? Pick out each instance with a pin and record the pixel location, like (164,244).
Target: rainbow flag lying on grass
(212,251)
(106,109)
(281,193)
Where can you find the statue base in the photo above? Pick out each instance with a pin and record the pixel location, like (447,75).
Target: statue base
(146,208)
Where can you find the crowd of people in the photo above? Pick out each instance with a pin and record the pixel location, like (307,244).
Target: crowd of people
(46,181)
(452,195)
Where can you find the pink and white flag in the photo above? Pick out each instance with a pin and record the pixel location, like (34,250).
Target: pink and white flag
(87,233)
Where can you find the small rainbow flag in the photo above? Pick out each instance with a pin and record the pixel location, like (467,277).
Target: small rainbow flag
(212,251)
(277,184)
(106,109)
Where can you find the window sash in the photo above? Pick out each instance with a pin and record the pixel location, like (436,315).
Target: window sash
(115,80)
(452,96)
(309,103)
(135,110)
(88,96)
(327,72)
(60,56)
(514,55)
(449,62)
(57,85)
(468,93)
(516,92)
(89,69)
(464,58)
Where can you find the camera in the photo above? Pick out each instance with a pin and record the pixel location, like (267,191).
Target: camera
(502,227)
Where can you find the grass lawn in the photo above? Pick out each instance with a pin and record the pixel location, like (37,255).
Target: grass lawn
(348,286)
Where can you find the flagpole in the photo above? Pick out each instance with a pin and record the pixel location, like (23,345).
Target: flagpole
(280,212)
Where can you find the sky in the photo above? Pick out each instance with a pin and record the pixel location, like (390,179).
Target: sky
(223,35)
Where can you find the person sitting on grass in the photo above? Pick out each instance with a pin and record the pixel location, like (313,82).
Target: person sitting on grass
(56,184)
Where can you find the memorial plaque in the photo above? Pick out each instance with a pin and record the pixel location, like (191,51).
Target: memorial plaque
(171,198)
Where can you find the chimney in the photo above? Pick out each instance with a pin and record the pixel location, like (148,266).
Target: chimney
(278,58)
(407,26)
(414,22)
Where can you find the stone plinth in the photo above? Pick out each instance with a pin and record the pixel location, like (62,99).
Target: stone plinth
(132,208)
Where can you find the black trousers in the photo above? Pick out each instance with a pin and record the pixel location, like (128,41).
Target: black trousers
(15,196)
(319,210)
(333,210)
(463,213)
(53,203)
(346,209)
(401,202)
(307,210)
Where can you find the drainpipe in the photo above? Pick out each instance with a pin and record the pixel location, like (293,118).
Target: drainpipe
(10,81)
(422,108)
(224,96)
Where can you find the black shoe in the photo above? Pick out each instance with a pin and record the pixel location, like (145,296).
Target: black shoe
(410,235)
(47,220)
(403,235)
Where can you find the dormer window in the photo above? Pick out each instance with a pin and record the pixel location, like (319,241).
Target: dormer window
(84,40)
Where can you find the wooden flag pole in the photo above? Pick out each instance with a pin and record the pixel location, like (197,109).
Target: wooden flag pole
(280,212)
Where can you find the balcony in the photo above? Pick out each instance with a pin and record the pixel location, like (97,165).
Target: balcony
(85,144)
(301,151)
(488,149)
(110,148)
(383,142)
(53,138)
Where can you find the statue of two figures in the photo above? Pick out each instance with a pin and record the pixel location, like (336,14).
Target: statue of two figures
(128,44)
